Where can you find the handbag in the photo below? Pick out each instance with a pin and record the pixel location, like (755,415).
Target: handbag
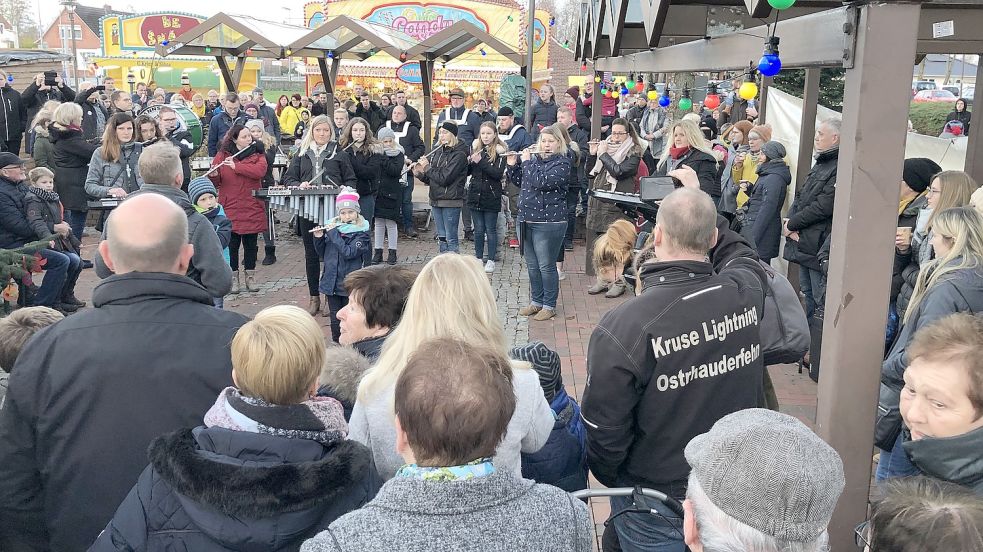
(887,426)
(784,328)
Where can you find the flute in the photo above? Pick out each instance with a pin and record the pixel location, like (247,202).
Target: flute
(409,167)
(236,154)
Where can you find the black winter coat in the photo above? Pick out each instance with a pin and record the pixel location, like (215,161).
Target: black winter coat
(583,116)
(337,170)
(485,193)
(186,146)
(71,155)
(15,229)
(13,114)
(543,115)
(34,99)
(578,174)
(43,216)
(908,218)
(218,490)
(90,119)
(390,195)
(368,170)
(763,222)
(811,214)
(600,214)
(446,176)
(963,117)
(705,166)
(373,115)
(78,420)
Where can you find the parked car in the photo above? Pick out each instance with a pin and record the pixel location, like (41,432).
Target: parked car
(954,89)
(935,96)
(968,94)
(918,86)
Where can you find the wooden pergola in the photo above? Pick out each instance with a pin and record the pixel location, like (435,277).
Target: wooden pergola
(225,36)
(877,42)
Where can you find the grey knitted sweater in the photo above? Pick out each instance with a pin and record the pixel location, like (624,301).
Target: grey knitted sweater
(497,513)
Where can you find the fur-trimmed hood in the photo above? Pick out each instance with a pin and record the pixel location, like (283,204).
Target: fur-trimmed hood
(343,370)
(249,491)
(476,145)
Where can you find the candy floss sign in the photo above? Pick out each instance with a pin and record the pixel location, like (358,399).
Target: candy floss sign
(420,22)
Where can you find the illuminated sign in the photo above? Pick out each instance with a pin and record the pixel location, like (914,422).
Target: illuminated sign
(420,22)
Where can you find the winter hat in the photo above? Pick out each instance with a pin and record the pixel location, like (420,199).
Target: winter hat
(252,105)
(763,131)
(769,471)
(918,173)
(449,127)
(457,92)
(386,132)
(505,111)
(773,150)
(574,92)
(199,187)
(545,362)
(347,199)
(255,123)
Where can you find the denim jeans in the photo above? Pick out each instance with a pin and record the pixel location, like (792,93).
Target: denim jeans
(895,463)
(448,222)
(813,286)
(485,224)
(407,207)
(56,271)
(542,243)
(76,219)
(638,532)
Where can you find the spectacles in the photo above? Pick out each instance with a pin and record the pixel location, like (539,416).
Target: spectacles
(934,191)
(862,535)
(619,134)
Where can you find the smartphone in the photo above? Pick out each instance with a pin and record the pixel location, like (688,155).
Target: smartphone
(49,78)
(101,88)
(656,188)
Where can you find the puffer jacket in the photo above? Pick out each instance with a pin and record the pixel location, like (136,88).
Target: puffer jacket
(218,490)
(71,155)
(543,115)
(485,193)
(15,229)
(42,149)
(446,176)
(368,169)
(953,459)
(601,214)
(390,195)
(235,190)
(903,277)
(104,175)
(44,214)
(543,189)
(811,214)
(562,462)
(342,255)
(763,223)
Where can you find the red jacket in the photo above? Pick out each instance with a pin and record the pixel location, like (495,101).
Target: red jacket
(235,187)
(609,106)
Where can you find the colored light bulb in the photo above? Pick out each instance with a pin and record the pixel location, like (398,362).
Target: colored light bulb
(748,91)
(769,65)
(685,104)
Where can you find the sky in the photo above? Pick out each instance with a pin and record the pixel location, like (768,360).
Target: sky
(273,9)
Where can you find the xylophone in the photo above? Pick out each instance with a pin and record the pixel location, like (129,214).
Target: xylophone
(631,204)
(104,204)
(316,204)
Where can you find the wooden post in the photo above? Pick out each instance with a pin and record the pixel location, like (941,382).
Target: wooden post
(595,134)
(223,66)
(871,155)
(426,71)
(974,148)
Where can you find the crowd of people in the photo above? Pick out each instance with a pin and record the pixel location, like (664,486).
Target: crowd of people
(238,433)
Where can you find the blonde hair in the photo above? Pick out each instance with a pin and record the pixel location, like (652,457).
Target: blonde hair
(614,247)
(957,189)
(493,147)
(693,135)
(976,200)
(305,143)
(964,227)
(37,173)
(571,145)
(44,115)
(278,355)
(453,141)
(451,298)
(68,114)
(558,134)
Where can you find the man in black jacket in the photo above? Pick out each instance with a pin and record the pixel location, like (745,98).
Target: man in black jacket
(83,406)
(222,122)
(179,137)
(37,93)
(408,137)
(810,218)
(665,366)
(13,116)
(370,111)
(94,115)
(412,115)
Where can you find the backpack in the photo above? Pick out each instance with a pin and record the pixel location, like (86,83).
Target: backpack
(785,333)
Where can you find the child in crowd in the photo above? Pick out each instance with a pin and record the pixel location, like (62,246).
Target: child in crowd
(15,330)
(390,196)
(44,211)
(562,462)
(301,128)
(343,370)
(341,244)
(204,196)
(270,467)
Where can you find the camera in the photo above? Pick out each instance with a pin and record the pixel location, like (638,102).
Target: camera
(50,78)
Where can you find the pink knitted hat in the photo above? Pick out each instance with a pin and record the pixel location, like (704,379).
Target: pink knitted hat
(347,199)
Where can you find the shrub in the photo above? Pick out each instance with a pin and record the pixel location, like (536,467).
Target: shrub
(929,117)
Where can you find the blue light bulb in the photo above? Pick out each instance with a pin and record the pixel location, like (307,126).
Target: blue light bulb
(770,65)
(664,100)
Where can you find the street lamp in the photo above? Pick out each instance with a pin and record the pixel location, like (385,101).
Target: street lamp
(131,79)
(70,5)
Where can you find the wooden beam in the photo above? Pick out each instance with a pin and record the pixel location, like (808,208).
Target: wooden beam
(654,13)
(807,124)
(871,155)
(974,148)
(426,73)
(237,72)
(223,66)
(763,103)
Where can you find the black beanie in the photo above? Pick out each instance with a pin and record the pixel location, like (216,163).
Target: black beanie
(449,127)
(918,173)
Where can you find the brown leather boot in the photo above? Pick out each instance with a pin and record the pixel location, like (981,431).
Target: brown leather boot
(315,305)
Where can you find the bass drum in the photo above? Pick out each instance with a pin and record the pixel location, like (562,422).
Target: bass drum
(187,120)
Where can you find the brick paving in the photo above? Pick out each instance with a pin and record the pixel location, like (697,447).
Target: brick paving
(568,333)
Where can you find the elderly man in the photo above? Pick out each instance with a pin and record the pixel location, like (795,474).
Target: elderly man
(376,297)
(665,366)
(408,137)
(760,453)
(88,395)
(450,496)
(160,166)
(467,121)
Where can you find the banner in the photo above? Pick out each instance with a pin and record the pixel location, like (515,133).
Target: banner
(143,32)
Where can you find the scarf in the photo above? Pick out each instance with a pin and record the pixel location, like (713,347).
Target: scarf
(360,225)
(320,419)
(44,194)
(619,155)
(677,153)
(477,468)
